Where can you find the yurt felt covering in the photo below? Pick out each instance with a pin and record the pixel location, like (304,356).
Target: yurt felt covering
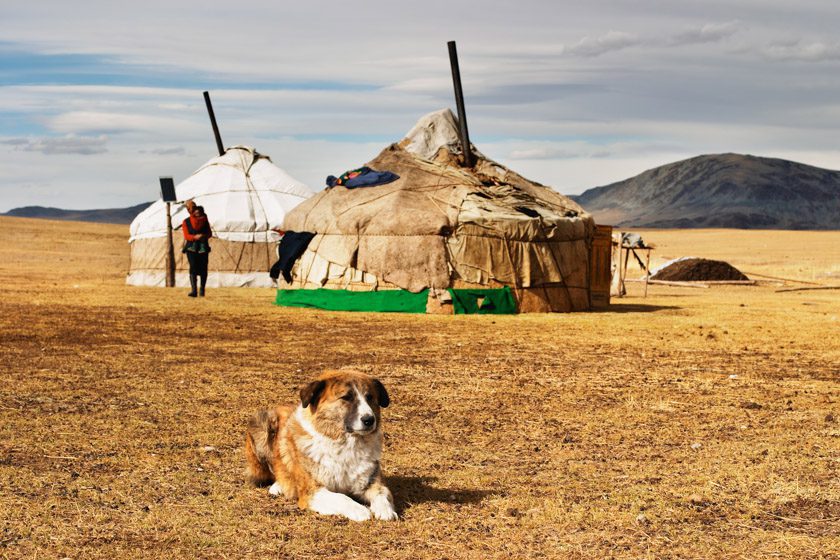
(442,226)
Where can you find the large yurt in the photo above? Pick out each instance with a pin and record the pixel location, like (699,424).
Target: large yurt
(442,237)
(245,197)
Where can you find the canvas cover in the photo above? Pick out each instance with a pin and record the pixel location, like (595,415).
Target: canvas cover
(441,225)
(245,196)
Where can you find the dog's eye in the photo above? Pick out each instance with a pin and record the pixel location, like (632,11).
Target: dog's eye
(369,398)
(348,396)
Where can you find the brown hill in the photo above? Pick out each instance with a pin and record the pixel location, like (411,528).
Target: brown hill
(721,191)
(102,216)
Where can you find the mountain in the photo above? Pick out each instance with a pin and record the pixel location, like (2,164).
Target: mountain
(721,191)
(104,216)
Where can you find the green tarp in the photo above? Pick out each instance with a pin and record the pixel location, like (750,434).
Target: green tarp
(477,301)
(398,301)
(489,301)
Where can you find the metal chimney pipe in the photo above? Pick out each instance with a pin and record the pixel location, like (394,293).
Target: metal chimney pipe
(219,144)
(469,158)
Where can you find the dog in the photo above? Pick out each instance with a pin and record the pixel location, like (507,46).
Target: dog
(325,451)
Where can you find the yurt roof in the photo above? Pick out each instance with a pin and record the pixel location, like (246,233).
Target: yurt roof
(430,191)
(435,138)
(244,194)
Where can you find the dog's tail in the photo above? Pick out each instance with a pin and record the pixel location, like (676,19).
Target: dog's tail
(259,443)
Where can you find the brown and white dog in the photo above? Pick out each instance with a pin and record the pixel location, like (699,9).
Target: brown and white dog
(326,449)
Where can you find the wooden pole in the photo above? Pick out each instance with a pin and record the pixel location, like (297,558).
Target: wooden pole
(690,283)
(469,158)
(647,270)
(626,251)
(808,289)
(794,280)
(680,284)
(618,273)
(210,112)
(170,250)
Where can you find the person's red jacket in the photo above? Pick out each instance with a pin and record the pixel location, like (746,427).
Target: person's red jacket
(199,225)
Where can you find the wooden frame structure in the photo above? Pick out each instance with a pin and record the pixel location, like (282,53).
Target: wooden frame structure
(624,258)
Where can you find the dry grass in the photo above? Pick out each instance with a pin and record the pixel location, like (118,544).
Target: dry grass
(691,424)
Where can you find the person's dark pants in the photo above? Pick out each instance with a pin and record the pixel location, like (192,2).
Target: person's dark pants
(198,269)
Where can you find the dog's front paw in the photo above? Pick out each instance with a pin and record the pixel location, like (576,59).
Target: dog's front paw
(383,509)
(275,489)
(356,512)
(333,503)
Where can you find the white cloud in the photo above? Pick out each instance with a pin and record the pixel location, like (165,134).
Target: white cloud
(422,85)
(177,151)
(708,33)
(558,151)
(70,144)
(612,41)
(114,123)
(803,52)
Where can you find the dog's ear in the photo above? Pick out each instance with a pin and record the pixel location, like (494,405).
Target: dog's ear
(381,394)
(310,394)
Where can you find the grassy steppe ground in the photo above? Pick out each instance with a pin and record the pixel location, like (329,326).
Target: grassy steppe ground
(694,423)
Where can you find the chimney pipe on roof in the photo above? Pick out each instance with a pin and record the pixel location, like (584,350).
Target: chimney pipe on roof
(469,158)
(219,144)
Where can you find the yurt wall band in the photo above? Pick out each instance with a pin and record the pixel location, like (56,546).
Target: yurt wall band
(494,301)
(385,301)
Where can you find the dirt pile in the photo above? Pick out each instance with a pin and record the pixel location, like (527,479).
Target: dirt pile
(694,269)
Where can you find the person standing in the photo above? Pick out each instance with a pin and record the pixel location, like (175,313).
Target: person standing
(197,234)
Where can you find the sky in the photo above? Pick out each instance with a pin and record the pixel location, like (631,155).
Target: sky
(100,98)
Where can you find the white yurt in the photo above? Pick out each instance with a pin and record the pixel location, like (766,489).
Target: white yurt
(245,196)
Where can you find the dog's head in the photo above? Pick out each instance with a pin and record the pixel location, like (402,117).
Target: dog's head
(345,402)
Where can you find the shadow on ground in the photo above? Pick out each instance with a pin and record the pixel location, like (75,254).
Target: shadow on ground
(411,490)
(634,308)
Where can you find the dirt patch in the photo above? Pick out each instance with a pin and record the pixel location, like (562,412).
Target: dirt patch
(691,270)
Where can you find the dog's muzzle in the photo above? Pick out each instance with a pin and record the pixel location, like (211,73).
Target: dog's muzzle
(365,425)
